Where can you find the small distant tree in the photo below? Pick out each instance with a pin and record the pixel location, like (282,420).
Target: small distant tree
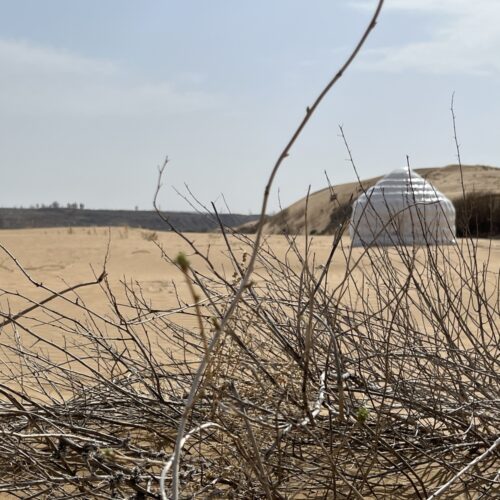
(81,206)
(55,204)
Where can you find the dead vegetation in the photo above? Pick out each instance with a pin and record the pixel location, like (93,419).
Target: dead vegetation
(386,385)
(478,213)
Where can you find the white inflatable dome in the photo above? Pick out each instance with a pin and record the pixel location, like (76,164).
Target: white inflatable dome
(402,209)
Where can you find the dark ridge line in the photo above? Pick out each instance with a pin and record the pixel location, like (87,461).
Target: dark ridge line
(31,218)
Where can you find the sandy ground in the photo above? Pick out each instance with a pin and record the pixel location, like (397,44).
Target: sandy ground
(64,257)
(67,256)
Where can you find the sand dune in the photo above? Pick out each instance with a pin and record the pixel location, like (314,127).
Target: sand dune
(328,206)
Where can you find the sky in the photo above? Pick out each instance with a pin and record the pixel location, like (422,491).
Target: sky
(95,94)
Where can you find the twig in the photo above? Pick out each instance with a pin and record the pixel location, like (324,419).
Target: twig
(245,279)
(469,466)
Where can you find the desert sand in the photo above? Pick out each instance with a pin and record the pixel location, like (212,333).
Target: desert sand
(63,257)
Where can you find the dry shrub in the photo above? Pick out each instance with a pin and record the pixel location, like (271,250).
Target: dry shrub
(384,385)
(149,235)
(125,230)
(478,215)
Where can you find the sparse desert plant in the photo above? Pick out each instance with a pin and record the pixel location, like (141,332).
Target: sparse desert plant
(478,215)
(124,232)
(149,235)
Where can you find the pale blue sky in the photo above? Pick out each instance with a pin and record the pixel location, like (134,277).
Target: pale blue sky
(94,93)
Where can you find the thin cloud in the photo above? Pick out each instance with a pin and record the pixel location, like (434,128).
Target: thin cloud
(464,38)
(38,80)
(18,56)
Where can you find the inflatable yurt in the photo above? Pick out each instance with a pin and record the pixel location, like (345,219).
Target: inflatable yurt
(402,209)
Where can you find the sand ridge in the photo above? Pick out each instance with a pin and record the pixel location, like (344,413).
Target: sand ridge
(329,206)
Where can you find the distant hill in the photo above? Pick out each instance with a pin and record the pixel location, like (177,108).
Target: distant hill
(480,212)
(21,218)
